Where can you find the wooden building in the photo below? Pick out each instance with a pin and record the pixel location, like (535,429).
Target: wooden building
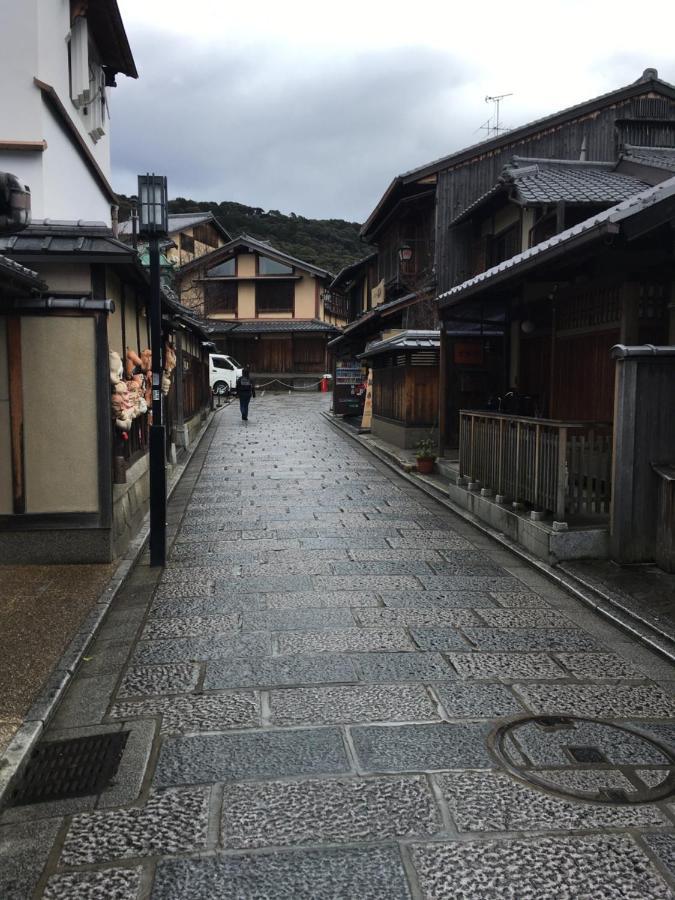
(272,312)
(578,451)
(405,386)
(417,208)
(189,236)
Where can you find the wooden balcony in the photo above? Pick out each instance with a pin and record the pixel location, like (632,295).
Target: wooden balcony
(557,467)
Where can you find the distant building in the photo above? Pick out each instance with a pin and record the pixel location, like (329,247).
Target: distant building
(190,236)
(271,311)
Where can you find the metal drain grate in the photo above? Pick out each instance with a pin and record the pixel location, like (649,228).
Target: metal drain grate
(58,770)
(585,759)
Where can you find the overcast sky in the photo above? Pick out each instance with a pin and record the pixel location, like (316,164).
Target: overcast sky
(314,108)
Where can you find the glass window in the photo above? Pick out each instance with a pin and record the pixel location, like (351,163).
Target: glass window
(267,266)
(187,243)
(220,296)
(229,267)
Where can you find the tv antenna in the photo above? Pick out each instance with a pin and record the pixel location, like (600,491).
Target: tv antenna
(493,126)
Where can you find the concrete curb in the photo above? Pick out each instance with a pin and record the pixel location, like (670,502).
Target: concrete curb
(38,716)
(601,603)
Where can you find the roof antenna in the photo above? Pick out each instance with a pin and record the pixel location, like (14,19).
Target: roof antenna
(493,130)
(583,156)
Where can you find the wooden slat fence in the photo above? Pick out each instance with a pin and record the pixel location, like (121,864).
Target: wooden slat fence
(558,467)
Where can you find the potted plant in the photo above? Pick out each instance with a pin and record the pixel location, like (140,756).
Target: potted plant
(426,456)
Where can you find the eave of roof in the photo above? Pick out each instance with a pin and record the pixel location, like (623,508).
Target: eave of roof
(349,271)
(10,270)
(607,221)
(491,144)
(271,326)
(53,239)
(245,240)
(111,40)
(404,340)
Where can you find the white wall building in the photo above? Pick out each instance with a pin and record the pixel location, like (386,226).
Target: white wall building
(58,63)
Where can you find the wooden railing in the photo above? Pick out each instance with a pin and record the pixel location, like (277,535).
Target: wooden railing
(553,466)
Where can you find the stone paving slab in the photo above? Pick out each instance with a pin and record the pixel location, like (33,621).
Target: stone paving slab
(603,701)
(171,822)
(142,681)
(191,626)
(261,754)
(425,617)
(421,667)
(345,640)
(478,701)
(297,619)
(206,712)
(279,671)
(347,704)
(415,748)
(214,646)
(486,801)
(320,599)
(334,811)
(109,884)
(526,639)
(509,666)
(439,638)
(603,867)
(444,599)
(376,873)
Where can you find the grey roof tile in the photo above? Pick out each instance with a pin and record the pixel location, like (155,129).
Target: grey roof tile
(656,157)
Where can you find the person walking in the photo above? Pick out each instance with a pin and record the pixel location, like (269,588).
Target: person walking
(245,390)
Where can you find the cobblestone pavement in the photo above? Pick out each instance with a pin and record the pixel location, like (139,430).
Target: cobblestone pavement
(311,691)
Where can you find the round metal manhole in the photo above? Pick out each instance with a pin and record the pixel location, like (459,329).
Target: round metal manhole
(585,759)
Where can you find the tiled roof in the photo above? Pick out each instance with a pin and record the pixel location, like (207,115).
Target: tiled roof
(548,181)
(348,272)
(656,157)
(404,340)
(612,216)
(14,271)
(649,80)
(258,246)
(54,238)
(180,221)
(272,326)
(532,182)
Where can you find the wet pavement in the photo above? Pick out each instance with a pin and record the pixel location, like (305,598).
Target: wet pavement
(312,692)
(41,609)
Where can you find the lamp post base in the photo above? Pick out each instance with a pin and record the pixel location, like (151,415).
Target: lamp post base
(157,496)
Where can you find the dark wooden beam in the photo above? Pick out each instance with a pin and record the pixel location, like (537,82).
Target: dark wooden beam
(16,413)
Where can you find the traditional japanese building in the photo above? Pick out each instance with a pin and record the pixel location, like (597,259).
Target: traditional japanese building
(272,312)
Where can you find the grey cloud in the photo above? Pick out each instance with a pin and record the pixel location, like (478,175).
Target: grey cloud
(252,124)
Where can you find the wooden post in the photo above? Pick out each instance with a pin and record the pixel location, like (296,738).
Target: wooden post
(442,390)
(16,413)
(630,313)
(561,487)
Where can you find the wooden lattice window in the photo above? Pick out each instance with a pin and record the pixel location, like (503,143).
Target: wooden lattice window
(274,296)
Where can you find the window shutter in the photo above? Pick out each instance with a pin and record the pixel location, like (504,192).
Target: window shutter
(79,62)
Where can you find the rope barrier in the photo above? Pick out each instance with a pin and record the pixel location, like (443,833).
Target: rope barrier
(292,387)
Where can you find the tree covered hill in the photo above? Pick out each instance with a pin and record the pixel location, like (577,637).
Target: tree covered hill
(328,243)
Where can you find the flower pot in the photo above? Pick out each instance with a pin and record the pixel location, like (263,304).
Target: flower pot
(425,465)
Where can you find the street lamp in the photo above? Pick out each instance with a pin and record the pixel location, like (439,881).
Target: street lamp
(405,253)
(153,223)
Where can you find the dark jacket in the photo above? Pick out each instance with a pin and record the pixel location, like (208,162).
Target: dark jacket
(245,387)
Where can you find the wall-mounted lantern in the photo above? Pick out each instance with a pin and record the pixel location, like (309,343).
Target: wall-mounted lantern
(405,253)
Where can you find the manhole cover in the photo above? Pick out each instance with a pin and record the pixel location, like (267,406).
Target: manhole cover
(58,770)
(585,759)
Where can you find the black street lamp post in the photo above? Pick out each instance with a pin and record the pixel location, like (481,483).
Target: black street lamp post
(153,224)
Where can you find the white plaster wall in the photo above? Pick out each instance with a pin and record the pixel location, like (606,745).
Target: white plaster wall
(33,36)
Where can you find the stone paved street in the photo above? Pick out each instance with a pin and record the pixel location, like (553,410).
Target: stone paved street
(311,691)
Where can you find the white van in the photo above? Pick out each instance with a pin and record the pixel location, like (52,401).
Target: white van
(223,373)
